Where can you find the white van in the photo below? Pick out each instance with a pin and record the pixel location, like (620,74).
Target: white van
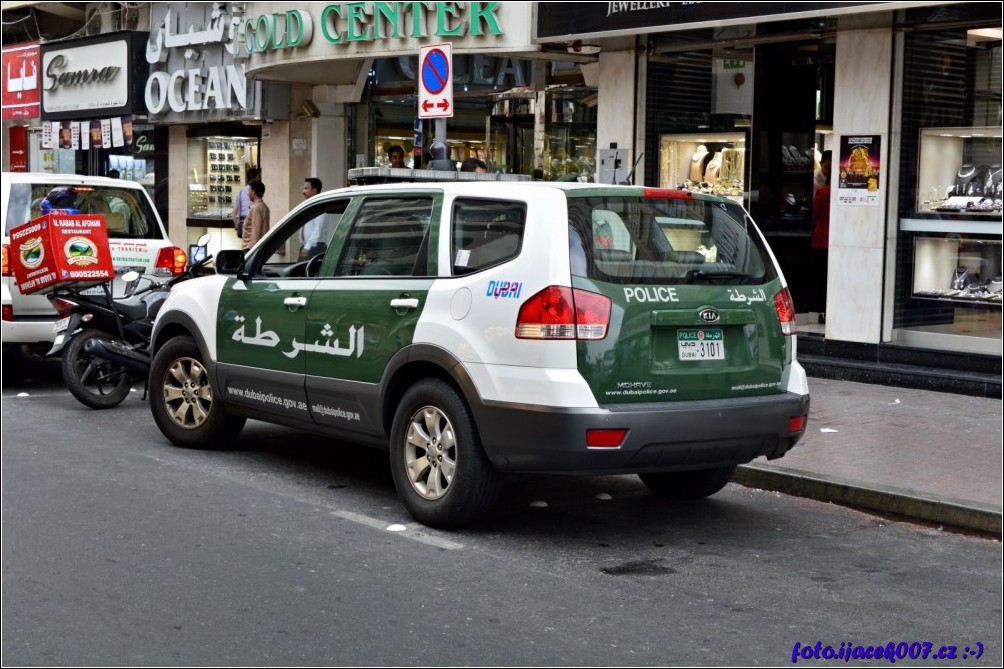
(136,236)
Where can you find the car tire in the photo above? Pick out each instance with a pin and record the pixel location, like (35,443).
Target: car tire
(183,401)
(93,381)
(688,485)
(439,466)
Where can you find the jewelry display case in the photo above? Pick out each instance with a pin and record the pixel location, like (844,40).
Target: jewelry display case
(958,269)
(705,163)
(216,168)
(959,171)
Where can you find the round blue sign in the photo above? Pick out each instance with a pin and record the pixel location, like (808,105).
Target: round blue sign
(435,72)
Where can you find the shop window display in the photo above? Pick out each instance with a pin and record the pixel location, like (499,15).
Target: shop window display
(949,251)
(704,163)
(216,169)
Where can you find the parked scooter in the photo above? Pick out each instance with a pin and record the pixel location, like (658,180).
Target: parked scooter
(104,341)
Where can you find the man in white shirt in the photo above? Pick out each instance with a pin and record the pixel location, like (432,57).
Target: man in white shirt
(312,234)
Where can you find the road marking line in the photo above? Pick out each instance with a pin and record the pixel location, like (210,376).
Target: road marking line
(410,534)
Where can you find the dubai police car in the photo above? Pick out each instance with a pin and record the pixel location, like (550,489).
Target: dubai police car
(483,328)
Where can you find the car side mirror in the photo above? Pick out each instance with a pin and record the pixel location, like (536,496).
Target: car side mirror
(230,261)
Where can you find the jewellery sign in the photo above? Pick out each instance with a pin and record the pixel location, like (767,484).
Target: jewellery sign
(859,170)
(21,90)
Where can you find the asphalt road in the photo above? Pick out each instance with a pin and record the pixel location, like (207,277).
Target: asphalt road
(120,549)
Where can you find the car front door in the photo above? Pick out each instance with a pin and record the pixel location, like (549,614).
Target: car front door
(366,309)
(262,320)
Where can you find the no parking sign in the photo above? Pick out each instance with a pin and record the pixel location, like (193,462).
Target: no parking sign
(435,81)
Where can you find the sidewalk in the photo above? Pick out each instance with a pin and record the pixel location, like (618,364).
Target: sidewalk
(920,454)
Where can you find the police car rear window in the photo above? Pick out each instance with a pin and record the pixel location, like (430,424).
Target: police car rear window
(127,211)
(633,239)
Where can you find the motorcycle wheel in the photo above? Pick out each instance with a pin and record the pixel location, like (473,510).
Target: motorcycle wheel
(93,381)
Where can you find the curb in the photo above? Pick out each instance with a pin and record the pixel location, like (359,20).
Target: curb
(974,516)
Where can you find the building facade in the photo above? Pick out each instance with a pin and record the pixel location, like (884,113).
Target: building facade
(741,99)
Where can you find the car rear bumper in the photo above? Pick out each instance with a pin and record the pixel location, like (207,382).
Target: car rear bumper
(29,331)
(674,436)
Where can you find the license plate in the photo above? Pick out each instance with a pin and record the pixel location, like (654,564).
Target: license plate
(61,325)
(701,344)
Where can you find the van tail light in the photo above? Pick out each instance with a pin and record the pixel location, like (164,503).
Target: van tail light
(785,311)
(560,312)
(8,313)
(6,259)
(796,424)
(172,259)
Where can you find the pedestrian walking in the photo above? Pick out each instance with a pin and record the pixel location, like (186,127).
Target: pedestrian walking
(256,223)
(820,241)
(243,204)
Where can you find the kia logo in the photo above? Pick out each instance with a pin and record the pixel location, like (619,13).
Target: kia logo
(709,316)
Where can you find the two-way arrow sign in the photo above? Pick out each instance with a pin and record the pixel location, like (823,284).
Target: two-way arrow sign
(442,104)
(435,81)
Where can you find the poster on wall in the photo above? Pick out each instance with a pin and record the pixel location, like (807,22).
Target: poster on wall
(859,170)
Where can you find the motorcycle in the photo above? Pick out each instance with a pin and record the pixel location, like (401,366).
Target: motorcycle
(103,341)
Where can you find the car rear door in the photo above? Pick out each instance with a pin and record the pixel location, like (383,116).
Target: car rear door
(367,306)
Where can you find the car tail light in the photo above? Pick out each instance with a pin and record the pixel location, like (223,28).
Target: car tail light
(797,423)
(560,312)
(785,311)
(173,259)
(8,312)
(605,438)
(6,261)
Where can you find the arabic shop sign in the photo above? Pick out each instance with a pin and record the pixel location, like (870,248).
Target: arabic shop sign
(191,53)
(21,90)
(361,22)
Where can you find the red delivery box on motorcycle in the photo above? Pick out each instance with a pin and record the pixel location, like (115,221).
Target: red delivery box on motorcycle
(59,248)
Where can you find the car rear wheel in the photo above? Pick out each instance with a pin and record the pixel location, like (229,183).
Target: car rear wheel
(689,485)
(93,381)
(440,469)
(183,401)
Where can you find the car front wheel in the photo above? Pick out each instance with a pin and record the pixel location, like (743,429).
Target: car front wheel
(440,469)
(183,401)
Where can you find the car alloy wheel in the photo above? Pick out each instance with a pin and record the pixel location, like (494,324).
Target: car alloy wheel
(430,452)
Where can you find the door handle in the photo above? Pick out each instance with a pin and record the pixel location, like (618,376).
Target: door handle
(295,302)
(405,303)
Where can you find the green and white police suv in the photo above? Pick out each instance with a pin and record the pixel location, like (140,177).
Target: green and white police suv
(483,328)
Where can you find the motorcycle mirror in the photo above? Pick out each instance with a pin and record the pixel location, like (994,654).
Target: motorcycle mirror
(131,280)
(204,239)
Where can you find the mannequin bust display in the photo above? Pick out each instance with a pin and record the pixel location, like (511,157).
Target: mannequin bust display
(697,163)
(711,172)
